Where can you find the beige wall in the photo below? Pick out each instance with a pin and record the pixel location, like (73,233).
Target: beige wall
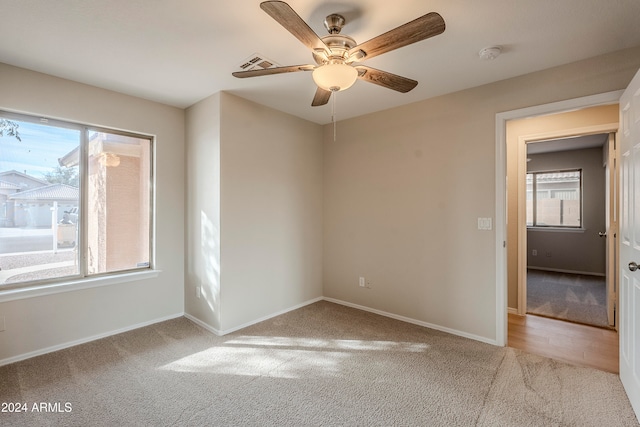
(202,251)
(269,184)
(557,125)
(271,209)
(403,190)
(43,322)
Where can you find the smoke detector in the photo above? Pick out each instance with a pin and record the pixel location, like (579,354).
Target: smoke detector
(490,53)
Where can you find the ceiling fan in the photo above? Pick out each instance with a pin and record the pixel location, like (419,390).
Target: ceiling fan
(338,56)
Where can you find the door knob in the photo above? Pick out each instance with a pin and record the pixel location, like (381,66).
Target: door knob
(602,234)
(633,266)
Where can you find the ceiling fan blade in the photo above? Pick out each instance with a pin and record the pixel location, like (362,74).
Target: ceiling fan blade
(290,20)
(321,98)
(426,26)
(269,71)
(385,79)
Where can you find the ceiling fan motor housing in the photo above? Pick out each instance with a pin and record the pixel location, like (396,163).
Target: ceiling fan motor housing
(339,46)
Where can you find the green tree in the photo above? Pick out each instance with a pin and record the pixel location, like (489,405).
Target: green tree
(9,128)
(62,175)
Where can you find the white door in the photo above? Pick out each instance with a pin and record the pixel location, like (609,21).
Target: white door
(629,329)
(611,232)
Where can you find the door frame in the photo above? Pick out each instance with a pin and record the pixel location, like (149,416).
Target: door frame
(523,141)
(501,189)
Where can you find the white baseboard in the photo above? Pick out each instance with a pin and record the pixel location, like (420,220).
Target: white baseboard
(253,322)
(278,313)
(51,349)
(414,321)
(560,270)
(348,304)
(203,324)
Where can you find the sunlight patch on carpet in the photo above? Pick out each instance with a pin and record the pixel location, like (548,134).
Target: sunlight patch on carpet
(329,344)
(256,361)
(266,356)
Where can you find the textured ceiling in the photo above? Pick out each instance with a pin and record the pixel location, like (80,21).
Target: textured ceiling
(179,52)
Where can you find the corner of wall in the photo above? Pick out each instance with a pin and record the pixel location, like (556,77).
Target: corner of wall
(202,258)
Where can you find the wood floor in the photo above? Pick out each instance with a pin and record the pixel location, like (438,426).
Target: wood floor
(570,342)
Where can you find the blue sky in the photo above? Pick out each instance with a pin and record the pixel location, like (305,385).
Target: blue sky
(39,150)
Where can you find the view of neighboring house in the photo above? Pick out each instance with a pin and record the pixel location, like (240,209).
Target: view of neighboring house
(117,192)
(26,201)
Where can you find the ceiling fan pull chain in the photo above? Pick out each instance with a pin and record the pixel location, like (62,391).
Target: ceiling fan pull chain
(333,112)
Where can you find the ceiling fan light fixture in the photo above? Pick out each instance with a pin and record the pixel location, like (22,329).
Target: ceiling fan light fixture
(335,76)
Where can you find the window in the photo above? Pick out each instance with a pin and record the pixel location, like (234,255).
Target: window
(554,199)
(75,201)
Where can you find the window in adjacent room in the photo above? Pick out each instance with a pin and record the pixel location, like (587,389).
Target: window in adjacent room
(75,201)
(554,199)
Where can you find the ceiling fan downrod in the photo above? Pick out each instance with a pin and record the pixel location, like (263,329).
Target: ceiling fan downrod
(334,23)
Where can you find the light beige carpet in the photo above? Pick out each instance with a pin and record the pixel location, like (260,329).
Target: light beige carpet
(324,364)
(575,297)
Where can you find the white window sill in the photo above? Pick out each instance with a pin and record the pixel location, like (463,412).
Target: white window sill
(557,229)
(74,285)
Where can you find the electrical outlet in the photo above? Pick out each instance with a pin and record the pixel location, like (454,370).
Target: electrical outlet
(198,292)
(362,282)
(534,252)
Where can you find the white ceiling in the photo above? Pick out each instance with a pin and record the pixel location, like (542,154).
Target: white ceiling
(179,52)
(579,142)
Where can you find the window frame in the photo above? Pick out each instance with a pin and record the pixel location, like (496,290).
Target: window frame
(84,280)
(534,193)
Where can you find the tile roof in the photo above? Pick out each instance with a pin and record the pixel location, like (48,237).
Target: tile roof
(48,192)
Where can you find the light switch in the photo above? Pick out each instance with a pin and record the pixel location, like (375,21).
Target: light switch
(484,224)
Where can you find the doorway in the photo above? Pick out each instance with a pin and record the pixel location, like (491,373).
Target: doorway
(563,123)
(550,132)
(507,298)
(567,228)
